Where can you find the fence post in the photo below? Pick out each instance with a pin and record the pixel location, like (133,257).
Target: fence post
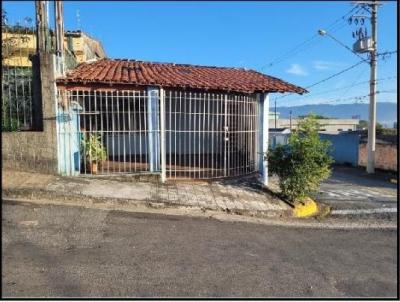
(37,105)
(263,136)
(162,129)
(153,128)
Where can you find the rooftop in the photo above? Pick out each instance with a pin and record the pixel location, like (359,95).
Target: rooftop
(171,75)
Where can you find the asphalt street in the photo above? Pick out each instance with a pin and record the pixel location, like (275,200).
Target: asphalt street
(353,189)
(61,251)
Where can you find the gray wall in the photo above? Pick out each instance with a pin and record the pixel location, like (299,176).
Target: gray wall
(35,150)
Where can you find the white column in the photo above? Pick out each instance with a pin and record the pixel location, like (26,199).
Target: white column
(163,142)
(263,136)
(152,128)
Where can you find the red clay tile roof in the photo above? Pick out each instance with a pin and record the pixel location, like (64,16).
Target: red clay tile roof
(170,75)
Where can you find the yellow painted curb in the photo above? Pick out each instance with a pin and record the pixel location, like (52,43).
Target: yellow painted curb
(307,209)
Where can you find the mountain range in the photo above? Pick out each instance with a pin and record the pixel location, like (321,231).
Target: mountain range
(386,111)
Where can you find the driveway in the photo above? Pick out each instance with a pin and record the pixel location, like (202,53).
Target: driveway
(62,251)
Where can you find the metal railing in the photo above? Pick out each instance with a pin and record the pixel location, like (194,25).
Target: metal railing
(18,42)
(108,131)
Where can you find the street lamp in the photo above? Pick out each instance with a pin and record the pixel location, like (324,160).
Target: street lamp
(323,33)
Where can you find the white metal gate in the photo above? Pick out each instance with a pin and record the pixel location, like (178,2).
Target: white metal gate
(210,135)
(207,135)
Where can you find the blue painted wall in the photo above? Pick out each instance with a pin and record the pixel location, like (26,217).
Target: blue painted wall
(344,147)
(68,141)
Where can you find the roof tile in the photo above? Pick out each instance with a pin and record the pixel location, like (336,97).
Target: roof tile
(177,76)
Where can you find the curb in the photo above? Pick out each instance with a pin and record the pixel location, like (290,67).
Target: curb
(308,209)
(218,216)
(88,201)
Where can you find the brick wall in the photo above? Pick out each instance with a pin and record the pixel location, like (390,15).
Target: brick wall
(385,156)
(36,150)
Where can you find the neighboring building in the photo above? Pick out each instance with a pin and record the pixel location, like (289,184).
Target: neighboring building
(272,114)
(205,121)
(326,125)
(84,48)
(19,44)
(278,136)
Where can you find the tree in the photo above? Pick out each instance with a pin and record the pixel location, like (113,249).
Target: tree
(303,163)
(317,116)
(379,128)
(363,124)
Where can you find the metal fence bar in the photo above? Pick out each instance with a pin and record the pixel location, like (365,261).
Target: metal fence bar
(16,77)
(207,134)
(117,120)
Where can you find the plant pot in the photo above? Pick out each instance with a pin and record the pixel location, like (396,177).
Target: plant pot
(93,167)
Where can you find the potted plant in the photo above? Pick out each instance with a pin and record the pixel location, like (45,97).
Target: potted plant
(94,152)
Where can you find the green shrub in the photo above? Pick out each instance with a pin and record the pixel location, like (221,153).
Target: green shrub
(93,149)
(303,163)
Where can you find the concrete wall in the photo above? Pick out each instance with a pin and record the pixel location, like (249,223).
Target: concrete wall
(344,147)
(35,150)
(385,156)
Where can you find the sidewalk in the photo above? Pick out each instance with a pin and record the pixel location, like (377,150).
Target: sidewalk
(241,196)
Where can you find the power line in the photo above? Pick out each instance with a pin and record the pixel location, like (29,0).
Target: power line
(358,98)
(335,75)
(326,79)
(344,87)
(351,86)
(295,50)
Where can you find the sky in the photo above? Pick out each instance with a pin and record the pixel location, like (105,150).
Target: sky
(242,34)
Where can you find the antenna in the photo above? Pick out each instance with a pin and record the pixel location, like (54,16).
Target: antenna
(78,20)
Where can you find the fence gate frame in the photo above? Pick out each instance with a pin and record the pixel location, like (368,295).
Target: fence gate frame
(182,134)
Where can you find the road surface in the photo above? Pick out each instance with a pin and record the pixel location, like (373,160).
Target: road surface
(351,189)
(61,251)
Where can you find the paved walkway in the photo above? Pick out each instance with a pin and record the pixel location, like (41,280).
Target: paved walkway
(237,196)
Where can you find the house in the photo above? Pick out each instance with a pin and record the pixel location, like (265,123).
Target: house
(278,136)
(20,42)
(83,47)
(183,121)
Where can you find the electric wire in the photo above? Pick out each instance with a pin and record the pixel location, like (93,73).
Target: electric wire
(298,48)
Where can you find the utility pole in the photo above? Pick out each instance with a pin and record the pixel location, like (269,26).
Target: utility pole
(275,113)
(42,22)
(59,20)
(369,45)
(290,120)
(372,101)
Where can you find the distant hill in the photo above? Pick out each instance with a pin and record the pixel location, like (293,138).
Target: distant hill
(386,112)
